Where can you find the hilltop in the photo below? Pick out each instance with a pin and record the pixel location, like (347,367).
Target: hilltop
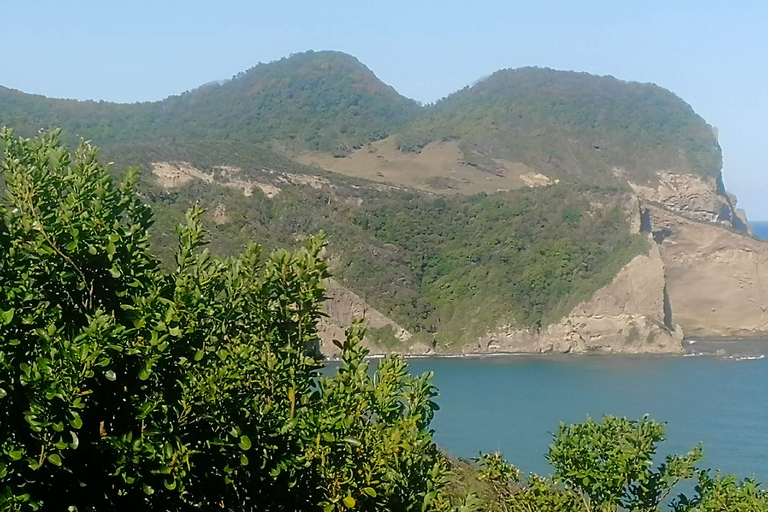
(312,100)
(536,210)
(558,123)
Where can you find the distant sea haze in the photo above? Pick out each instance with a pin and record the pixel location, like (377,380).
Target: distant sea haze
(760,229)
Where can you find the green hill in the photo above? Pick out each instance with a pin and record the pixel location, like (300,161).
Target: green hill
(567,123)
(312,100)
(447,268)
(561,123)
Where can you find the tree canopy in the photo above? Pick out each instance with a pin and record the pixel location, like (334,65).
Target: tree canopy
(127,387)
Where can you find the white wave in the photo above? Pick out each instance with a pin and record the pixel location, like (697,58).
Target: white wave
(746,358)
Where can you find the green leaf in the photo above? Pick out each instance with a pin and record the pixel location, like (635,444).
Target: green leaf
(75,440)
(110,375)
(370,491)
(349,502)
(76,422)
(54,459)
(3,393)
(245,443)
(6,316)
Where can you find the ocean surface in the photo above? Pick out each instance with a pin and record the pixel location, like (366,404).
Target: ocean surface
(716,395)
(760,229)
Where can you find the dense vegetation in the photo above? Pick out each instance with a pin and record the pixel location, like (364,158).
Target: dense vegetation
(127,387)
(568,123)
(312,100)
(446,268)
(561,123)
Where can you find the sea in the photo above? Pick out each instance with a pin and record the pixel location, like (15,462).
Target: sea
(760,229)
(716,394)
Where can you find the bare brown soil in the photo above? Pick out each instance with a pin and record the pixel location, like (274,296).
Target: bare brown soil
(439,168)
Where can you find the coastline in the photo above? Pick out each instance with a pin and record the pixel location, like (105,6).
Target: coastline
(732,348)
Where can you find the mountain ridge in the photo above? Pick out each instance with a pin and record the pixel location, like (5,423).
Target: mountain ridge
(504,210)
(558,122)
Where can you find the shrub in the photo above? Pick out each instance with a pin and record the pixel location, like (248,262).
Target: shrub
(126,387)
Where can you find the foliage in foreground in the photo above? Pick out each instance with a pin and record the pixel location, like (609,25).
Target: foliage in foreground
(125,387)
(607,466)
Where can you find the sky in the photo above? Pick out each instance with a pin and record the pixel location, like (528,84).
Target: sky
(712,54)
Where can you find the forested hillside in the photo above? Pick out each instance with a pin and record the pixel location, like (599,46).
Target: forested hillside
(570,123)
(447,268)
(561,123)
(313,100)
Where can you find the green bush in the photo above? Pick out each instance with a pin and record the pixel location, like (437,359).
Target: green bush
(607,466)
(126,387)
(724,493)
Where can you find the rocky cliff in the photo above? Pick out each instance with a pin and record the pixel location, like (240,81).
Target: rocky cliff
(695,197)
(630,315)
(713,269)
(717,279)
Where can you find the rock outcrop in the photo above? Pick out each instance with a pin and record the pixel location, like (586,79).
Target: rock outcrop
(717,279)
(342,307)
(694,197)
(713,271)
(630,315)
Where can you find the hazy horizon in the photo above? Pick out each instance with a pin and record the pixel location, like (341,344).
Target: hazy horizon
(142,51)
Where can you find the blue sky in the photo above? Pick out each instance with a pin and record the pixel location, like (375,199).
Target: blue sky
(712,54)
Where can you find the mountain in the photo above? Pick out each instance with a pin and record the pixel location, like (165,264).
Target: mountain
(535,211)
(567,123)
(558,123)
(312,100)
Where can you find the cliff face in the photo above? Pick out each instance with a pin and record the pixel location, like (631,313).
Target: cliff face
(627,316)
(694,197)
(714,273)
(342,307)
(717,280)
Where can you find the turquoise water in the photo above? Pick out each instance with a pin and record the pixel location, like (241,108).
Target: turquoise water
(513,403)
